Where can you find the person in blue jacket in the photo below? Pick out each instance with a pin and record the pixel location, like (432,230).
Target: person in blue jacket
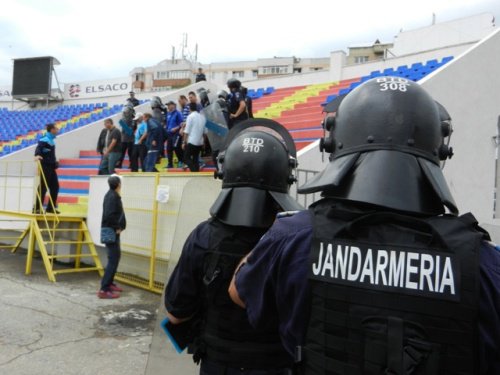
(376,278)
(154,141)
(45,152)
(174,139)
(256,167)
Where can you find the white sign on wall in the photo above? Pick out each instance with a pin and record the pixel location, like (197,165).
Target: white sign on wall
(97,89)
(5,94)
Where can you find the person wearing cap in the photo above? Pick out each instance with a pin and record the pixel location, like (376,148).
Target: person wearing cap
(113,216)
(174,139)
(381,276)
(256,169)
(140,149)
(132,99)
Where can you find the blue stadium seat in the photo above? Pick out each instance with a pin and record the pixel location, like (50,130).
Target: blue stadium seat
(416,66)
(446,59)
(269,90)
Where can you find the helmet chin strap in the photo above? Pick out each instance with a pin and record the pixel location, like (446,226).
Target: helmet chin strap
(448,140)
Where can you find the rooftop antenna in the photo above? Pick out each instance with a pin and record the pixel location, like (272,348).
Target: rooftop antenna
(184,44)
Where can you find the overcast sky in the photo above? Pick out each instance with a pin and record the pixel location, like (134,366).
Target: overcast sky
(99,39)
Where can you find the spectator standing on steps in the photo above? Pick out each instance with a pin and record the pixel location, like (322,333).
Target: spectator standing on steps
(45,152)
(101,144)
(112,150)
(193,137)
(113,216)
(174,139)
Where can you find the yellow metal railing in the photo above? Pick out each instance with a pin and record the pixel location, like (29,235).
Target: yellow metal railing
(20,195)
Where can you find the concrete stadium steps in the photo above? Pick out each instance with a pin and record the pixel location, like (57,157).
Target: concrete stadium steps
(275,109)
(311,133)
(301,111)
(277,95)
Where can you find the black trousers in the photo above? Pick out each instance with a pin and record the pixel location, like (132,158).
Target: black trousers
(174,143)
(191,154)
(127,147)
(50,183)
(138,154)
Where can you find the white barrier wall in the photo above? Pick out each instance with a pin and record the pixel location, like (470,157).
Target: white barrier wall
(468,87)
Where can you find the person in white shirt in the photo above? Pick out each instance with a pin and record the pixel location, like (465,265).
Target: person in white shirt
(193,137)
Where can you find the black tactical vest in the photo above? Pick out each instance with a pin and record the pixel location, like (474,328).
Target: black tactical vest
(392,294)
(227,336)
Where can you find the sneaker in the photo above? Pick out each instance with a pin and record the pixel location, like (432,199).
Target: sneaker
(107,294)
(180,165)
(202,165)
(115,288)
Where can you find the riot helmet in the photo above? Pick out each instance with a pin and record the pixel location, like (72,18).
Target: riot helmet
(233,84)
(222,94)
(203,95)
(156,102)
(256,168)
(386,143)
(128,113)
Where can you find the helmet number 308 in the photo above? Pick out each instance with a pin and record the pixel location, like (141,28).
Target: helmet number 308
(252,144)
(393,84)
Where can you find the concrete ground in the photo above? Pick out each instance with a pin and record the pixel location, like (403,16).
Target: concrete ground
(63,328)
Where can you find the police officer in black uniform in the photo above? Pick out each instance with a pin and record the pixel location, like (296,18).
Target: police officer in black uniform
(133,100)
(256,169)
(376,278)
(236,103)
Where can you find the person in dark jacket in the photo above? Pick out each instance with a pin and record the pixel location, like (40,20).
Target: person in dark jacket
(381,276)
(200,76)
(45,152)
(101,144)
(248,101)
(132,99)
(113,216)
(256,169)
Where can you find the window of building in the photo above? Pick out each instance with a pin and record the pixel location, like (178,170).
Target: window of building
(255,73)
(279,69)
(360,59)
(173,74)
(238,74)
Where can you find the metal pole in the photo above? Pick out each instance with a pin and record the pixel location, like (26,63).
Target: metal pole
(154,234)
